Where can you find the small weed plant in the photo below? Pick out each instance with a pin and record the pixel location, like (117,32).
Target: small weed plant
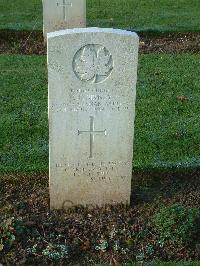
(54,252)
(177,224)
(10,228)
(7,233)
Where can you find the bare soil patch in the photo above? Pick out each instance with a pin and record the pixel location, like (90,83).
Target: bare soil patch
(14,42)
(101,235)
(170,43)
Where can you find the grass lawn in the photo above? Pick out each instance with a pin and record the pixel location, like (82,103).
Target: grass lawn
(167,113)
(139,15)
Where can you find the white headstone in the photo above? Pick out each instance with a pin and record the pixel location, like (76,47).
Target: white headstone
(92,88)
(63,14)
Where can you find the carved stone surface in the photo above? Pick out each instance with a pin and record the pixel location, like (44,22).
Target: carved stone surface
(93,63)
(92,86)
(63,14)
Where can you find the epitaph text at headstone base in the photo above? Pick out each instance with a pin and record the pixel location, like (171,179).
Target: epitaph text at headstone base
(63,14)
(92,88)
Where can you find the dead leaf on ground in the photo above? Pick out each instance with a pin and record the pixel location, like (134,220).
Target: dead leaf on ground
(113,261)
(85,245)
(1,247)
(182,98)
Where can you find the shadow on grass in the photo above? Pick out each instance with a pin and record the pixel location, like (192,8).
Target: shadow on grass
(148,185)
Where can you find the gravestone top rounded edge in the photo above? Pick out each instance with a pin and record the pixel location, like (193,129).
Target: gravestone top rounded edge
(91,30)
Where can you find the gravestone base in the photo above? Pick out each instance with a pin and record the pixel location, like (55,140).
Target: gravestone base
(86,193)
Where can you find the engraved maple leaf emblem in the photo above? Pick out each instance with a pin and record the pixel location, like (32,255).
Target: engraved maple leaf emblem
(93,64)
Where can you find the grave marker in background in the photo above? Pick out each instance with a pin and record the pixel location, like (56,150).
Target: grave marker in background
(63,14)
(92,77)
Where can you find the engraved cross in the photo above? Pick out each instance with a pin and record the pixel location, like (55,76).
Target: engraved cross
(65,5)
(92,132)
